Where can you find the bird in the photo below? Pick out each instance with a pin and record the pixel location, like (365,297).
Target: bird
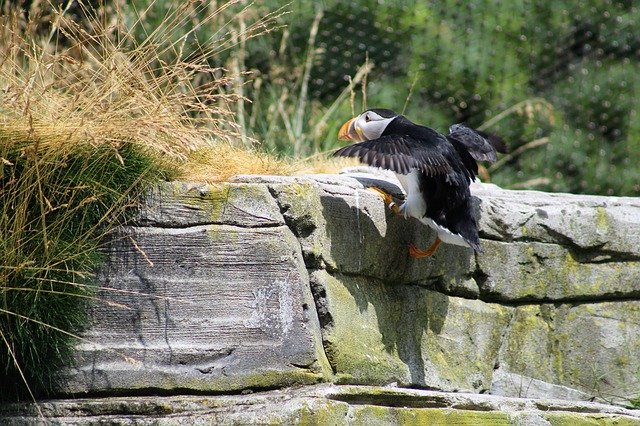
(435,171)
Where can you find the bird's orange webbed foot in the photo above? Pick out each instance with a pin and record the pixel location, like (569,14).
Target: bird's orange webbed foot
(386,197)
(416,253)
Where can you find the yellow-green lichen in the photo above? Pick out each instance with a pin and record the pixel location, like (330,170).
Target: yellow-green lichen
(213,201)
(528,347)
(325,413)
(359,356)
(372,415)
(271,378)
(337,413)
(602,220)
(221,200)
(261,379)
(579,419)
(461,342)
(228,235)
(302,197)
(356,346)
(559,345)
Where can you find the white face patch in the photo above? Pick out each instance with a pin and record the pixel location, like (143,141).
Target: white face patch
(370,125)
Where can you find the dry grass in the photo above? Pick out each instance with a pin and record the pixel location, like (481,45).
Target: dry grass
(99,90)
(222,161)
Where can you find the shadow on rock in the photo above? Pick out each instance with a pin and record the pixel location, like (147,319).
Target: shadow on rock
(381,295)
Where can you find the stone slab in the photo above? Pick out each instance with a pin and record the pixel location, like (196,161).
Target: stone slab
(592,348)
(505,383)
(182,204)
(204,308)
(208,290)
(598,346)
(322,405)
(551,272)
(344,227)
(603,226)
(537,246)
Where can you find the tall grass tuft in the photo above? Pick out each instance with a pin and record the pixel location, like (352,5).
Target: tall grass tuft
(90,115)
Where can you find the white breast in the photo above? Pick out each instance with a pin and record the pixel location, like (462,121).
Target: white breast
(414,205)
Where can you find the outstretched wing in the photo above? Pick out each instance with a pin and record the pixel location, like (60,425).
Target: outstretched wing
(400,154)
(479,147)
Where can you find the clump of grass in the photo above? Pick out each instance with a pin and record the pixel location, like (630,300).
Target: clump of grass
(55,209)
(89,117)
(220,162)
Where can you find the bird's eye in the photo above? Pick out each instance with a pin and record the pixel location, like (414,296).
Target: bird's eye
(366,118)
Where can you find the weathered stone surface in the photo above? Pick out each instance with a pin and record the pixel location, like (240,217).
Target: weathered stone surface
(599,349)
(593,349)
(516,385)
(558,246)
(271,281)
(608,226)
(322,405)
(377,333)
(344,227)
(537,246)
(358,316)
(544,271)
(182,204)
(204,307)
(529,345)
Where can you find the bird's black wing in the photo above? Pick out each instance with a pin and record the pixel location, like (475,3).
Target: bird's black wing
(399,154)
(479,147)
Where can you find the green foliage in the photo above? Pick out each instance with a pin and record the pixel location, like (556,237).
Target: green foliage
(54,212)
(441,62)
(470,61)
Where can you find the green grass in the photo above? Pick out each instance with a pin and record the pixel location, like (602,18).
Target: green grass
(51,250)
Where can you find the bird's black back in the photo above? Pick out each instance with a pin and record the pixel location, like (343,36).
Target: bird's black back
(454,213)
(447,196)
(456,155)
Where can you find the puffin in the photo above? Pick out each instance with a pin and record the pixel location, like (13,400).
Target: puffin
(435,171)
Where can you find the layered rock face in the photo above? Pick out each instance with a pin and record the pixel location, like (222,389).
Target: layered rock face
(268,282)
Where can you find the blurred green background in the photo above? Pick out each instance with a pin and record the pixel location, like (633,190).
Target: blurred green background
(559,80)
(564,73)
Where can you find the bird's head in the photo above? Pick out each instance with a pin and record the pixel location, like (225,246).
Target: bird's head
(366,126)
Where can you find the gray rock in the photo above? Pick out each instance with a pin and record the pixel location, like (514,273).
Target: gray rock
(551,272)
(598,349)
(182,204)
(202,307)
(601,227)
(270,281)
(320,404)
(516,385)
(377,333)
(344,227)
(593,349)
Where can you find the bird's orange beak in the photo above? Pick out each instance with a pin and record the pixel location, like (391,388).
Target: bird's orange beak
(348,132)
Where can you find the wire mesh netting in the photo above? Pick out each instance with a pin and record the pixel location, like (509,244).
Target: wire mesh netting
(557,80)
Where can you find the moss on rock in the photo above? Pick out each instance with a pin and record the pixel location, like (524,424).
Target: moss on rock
(540,271)
(380,334)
